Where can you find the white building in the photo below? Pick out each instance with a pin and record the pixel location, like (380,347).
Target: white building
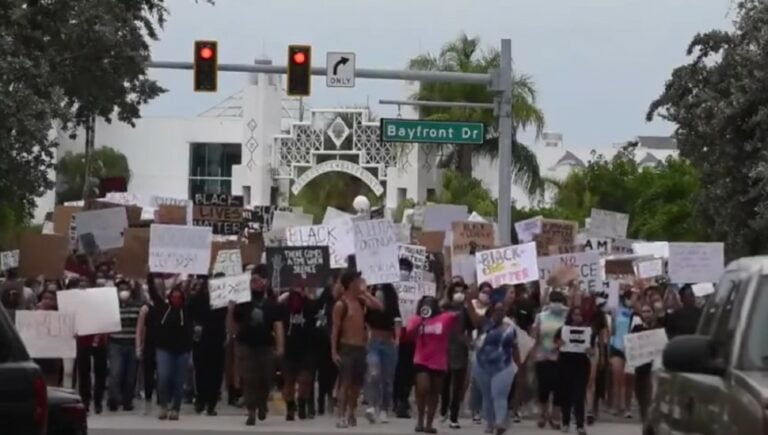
(259,144)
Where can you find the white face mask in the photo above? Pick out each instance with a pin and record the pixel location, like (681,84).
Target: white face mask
(458,298)
(124,295)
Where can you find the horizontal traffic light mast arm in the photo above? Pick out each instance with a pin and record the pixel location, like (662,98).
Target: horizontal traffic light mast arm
(366,73)
(422,103)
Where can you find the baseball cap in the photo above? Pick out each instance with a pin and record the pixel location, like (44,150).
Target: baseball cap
(348,278)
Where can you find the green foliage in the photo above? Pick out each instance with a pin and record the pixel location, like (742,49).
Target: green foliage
(457,188)
(70,172)
(397,216)
(332,189)
(718,103)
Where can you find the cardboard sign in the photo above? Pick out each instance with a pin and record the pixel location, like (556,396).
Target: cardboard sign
(180,249)
(509,265)
(43,254)
(159,201)
(471,237)
(575,339)
(416,254)
(440,217)
(649,268)
(9,260)
(644,347)
(696,262)
(62,218)
(587,264)
(563,249)
(133,258)
(47,334)
(222,212)
(432,240)
(409,294)
(338,236)
(171,215)
(236,288)
(608,223)
(376,251)
(229,262)
(555,233)
(298,267)
(528,229)
(96,310)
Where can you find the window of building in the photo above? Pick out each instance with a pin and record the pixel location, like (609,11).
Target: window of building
(431,194)
(210,167)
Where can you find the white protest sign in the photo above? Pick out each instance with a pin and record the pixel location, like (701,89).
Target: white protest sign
(644,347)
(601,245)
(338,236)
(608,223)
(333,214)
(107,226)
(229,262)
(47,334)
(703,289)
(575,339)
(653,249)
(649,268)
(587,264)
(612,287)
(376,251)
(409,294)
(180,249)
(622,246)
(528,229)
(416,254)
(9,259)
(284,219)
(509,265)
(228,289)
(275,238)
(440,217)
(96,310)
(695,262)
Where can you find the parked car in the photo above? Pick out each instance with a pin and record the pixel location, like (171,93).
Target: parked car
(23,393)
(66,413)
(716,382)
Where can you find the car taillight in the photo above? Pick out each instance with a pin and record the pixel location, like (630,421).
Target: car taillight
(75,412)
(41,403)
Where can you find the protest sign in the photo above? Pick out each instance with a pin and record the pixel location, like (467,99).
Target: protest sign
(260,217)
(566,249)
(586,264)
(333,214)
(298,266)
(653,249)
(43,254)
(471,237)
(283,219)
(528,229)
(171,215)
(649,268)
(695,262)
(222,212)
(608,223)
(575,339)
(180,249)
(338,236)
(432,240)
(62,218)
(555,233)
(132,259)
(416,254)
(158,201)
(275,238)
(622,246)
(132,212)
(612,287)
(409,294)
(644,347)
(440,217)
(96,310)
(509,265)
(376,251)
(601,245)
(235,288)
(229,262)
(9,259)
(703,289)
(47,334)
(106,225)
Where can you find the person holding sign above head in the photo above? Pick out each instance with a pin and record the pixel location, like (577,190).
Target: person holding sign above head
(576,343)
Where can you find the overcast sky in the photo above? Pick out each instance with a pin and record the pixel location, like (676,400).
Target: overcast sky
(597,63)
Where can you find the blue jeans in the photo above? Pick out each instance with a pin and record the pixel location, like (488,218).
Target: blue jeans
(495,388)
(122,373)
(171,374)
(382,362)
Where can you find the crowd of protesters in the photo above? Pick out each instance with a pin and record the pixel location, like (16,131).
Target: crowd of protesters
(325,348)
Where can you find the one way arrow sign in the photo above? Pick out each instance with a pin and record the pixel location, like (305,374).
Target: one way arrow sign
(340,70)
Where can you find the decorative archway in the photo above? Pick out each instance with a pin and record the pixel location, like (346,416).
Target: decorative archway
(338,166)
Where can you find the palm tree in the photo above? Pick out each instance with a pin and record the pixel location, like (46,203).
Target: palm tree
(464,55)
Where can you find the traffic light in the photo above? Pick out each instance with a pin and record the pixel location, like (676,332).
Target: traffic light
(206,66)
(299,70)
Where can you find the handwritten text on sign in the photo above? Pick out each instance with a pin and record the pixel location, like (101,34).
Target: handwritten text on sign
(229,262)
(555,233)
(376,250)
(47,334)
(179,249)
(644,347)
(9,259)
(587,264)
(235,289)
(472,237)
(298,266)
(409,294)
(695,262)
(608,223)
(510,265)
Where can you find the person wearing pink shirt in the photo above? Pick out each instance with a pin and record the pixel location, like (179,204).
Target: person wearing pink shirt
(430,330)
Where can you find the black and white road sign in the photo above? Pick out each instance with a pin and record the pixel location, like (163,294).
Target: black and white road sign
(340,70)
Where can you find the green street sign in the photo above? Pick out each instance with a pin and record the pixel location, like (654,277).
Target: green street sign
(414,130)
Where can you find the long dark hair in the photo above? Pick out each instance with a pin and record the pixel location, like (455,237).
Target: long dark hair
(569,317)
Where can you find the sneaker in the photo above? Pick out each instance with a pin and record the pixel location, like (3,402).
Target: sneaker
(147,407)
(251,421)
(370,414)
(516,417)
(341,423)
(444,419)
(581,431)
(628,415)
(163,414)
(476,419)
(590,419)
(383,417)
(173,415)
(352,421)
(262,414)
(211,412)
(454,425)
(565,429)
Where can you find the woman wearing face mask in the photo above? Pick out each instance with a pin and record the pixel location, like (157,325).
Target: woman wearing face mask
(430,329)
(576,343)
(458,355)
(551,318)
(496,361)
(174,344)
(621,382)
(480,304)
(122,352)
(643,380)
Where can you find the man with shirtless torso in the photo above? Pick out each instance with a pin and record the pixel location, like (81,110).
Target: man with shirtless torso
(348,343)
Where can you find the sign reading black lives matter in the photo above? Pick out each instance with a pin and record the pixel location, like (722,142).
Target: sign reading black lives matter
(298,266)
(222,212)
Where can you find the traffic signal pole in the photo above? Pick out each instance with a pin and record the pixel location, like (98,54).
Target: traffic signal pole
(498,81)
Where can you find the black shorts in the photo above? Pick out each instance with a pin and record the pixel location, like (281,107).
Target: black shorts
(354,364)
(294,365)
(418,368)
(616,353)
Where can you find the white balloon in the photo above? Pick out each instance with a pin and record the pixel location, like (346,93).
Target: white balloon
(361,203)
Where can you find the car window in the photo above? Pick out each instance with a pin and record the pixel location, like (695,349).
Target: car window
(11,347)
(729,306)
(755,343)
(715,304)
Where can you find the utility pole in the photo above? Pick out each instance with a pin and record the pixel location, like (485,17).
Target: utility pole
(506,142)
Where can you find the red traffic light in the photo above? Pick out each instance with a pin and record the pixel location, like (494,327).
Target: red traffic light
(206,53)
(299,57)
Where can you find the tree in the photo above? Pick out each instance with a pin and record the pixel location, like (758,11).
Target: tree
(70,172)
(718,104)
(457,188)
(464,55)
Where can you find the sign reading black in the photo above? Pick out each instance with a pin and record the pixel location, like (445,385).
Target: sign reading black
(298,266)
(259,219)
(222,212)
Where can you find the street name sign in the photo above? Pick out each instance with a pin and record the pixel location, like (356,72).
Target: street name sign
(419,131)
(340,70)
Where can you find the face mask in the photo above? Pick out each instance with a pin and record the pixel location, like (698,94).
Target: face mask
(458,298)
(484,298)
(124,295)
